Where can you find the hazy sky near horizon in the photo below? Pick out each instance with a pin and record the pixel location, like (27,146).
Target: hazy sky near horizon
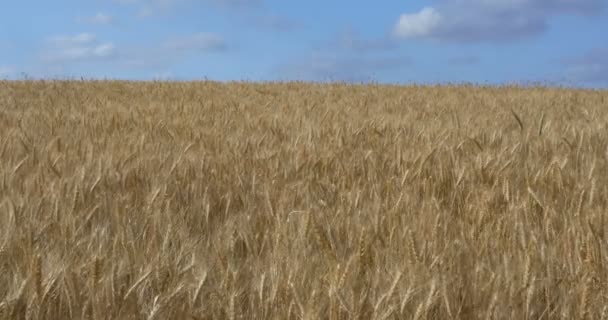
(562,42)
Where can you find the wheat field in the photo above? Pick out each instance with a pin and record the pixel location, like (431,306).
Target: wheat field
(206,200)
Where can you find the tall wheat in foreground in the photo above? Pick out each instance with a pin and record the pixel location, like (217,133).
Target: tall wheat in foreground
(202,200)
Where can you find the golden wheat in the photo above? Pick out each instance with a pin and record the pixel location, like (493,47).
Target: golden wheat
(205,200)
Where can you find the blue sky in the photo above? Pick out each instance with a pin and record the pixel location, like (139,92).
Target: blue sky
(563,42)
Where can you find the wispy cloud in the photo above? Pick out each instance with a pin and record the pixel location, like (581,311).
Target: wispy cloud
(98,19)
(336,67)
(487,20)
(72,40)
(347,55)
(160,57)
(199,42)
(79,47)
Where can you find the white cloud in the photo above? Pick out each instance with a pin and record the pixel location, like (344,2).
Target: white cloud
(150,58)
(200,42)
(101,51)
(99,18)
(80,51)
(80,47)
(104,50)
(73,40)
(487,20)
(421,24)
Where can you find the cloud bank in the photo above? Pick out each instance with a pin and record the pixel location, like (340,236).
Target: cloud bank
(488,20)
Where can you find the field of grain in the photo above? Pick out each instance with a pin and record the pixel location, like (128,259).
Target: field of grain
(203,200)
